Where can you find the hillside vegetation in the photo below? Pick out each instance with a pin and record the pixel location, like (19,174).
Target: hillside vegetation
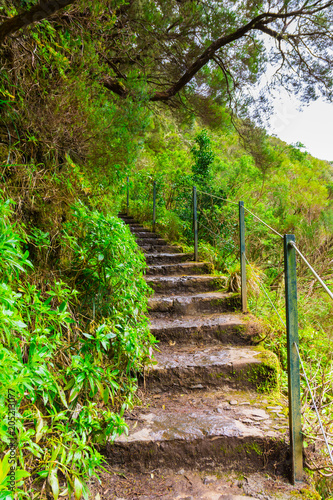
(77,118)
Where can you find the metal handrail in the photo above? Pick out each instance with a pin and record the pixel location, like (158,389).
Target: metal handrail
(271,228)
(217,197)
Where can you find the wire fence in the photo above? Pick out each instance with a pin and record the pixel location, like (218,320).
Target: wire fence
(283,323)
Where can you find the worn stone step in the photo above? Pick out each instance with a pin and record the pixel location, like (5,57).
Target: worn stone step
(143,234)
(184,284)
(151,241)
(226,328)
(204,431)
(129,220)
(159,249)
(192,304)
(182,269)
(137,226)
(167,257)
(180,367)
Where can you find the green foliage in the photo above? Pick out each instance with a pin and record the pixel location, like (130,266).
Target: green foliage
(203,156)
(13,259)
(71,378)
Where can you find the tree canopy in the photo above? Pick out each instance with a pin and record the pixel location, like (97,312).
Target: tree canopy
(206,48)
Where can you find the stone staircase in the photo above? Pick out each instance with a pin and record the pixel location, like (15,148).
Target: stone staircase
(210,400)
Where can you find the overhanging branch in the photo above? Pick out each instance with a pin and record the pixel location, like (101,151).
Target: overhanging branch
(37,13)
(260,22)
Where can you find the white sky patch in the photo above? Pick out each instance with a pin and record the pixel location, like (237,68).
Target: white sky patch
(312,126)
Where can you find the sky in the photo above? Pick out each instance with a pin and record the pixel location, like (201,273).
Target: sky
(312,126)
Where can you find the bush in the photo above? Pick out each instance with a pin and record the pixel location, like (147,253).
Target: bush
(68,369)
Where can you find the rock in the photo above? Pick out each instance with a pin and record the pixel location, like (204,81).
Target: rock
(233,402)
(209,479)
(234,497)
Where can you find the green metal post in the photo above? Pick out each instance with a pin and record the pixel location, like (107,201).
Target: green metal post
(154,206)
(127,210)
(242,255)
(195,224)
(294,391)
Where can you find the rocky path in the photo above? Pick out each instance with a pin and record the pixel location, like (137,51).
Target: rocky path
(211,408)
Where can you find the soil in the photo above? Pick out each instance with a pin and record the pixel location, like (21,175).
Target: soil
(192,485)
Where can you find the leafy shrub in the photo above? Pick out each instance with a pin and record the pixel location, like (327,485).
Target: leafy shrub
(71,377)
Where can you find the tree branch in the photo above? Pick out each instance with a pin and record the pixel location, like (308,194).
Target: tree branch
(41,11)
(259,22)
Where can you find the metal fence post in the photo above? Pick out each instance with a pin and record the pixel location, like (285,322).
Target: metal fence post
(195,224)
(154,206)
(127,210)
(242,255)
(294,391)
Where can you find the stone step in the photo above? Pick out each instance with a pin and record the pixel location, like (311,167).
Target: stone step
(187,367)
(129,220)
(151,241)
(204,431)
(182,269)
(184,284)
(143,234)
(210,328)
(159,249)
(192,304)
(165,258)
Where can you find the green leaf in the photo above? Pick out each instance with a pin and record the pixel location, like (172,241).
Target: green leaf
(62,395)
(88,335)
(4,468)
(21,474)
(69,384)
(106,394)
(43,473)
(74,393)
(55,453)
(77,489)
(80,378)
(39,427)
(54,483)
(62,307)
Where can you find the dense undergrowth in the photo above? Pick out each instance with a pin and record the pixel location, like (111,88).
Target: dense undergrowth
(71,347)
(74,334)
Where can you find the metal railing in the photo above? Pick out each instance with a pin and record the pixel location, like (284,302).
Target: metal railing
(294,360)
